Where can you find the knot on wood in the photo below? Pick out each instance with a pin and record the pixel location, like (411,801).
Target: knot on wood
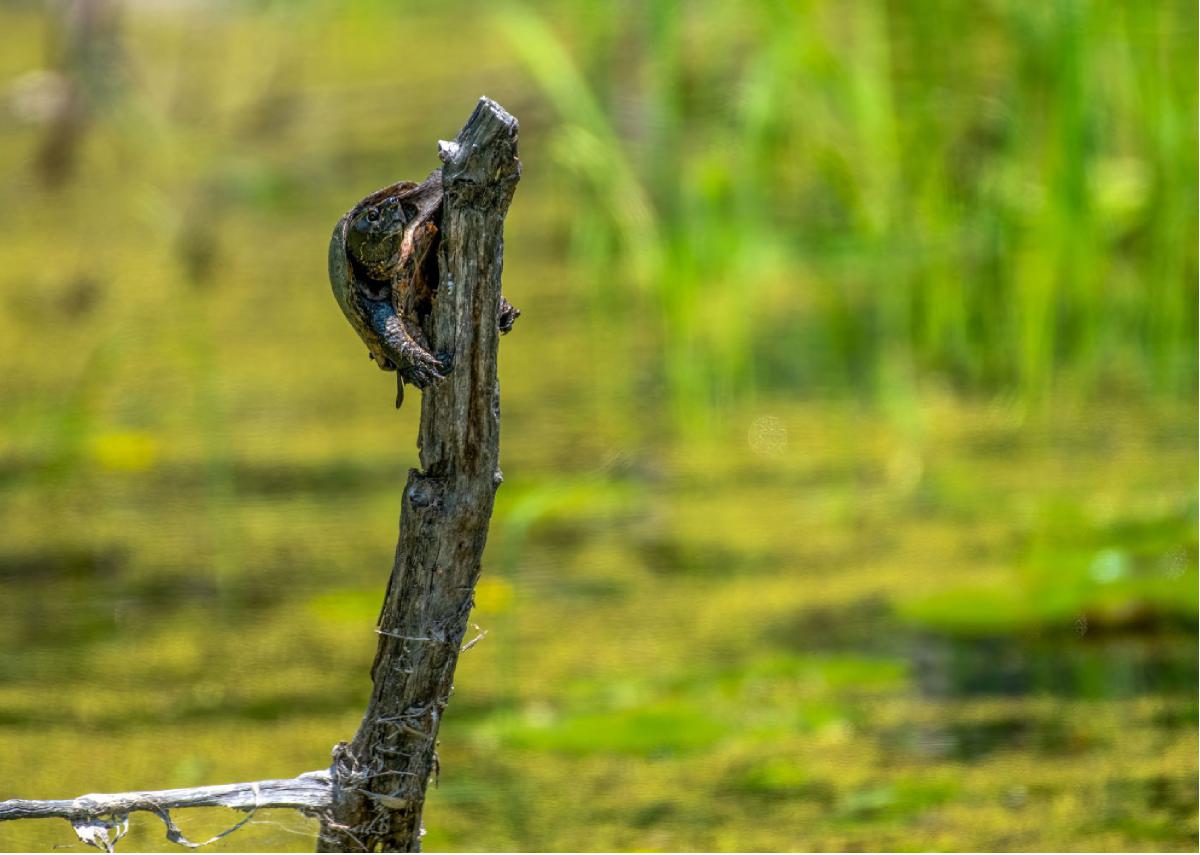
(423,492)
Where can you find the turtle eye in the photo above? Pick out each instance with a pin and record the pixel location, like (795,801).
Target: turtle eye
(373,215)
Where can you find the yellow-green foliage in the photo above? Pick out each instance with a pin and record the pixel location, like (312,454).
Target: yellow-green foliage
(824,194)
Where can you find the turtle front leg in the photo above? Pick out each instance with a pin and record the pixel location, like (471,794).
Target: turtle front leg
(405,346)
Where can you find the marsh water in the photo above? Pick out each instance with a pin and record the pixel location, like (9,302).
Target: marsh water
(805,607)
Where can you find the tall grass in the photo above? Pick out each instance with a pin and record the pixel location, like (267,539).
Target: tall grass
(832,196)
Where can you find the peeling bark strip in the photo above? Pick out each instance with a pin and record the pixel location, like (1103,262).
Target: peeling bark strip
(380,777)
(372,797)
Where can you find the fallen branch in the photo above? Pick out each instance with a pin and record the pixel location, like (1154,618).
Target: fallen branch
(94,815)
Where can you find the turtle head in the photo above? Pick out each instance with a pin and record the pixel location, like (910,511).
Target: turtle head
(374,235)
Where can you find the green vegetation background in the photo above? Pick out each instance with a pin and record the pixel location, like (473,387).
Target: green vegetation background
(849,429)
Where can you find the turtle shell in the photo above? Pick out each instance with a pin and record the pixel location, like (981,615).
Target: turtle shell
(387,311)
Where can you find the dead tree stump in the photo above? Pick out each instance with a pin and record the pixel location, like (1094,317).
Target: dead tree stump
(379,778)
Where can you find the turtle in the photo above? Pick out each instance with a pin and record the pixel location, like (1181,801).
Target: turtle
(383,266)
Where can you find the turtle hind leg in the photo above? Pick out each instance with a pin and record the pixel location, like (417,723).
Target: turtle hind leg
(507,316)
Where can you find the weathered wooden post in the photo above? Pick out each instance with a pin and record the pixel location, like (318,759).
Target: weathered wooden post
(371,798)
(379,778)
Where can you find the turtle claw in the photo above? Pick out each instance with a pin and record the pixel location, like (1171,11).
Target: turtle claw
(422,368)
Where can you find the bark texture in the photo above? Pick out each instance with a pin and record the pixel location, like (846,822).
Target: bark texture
(380,777)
